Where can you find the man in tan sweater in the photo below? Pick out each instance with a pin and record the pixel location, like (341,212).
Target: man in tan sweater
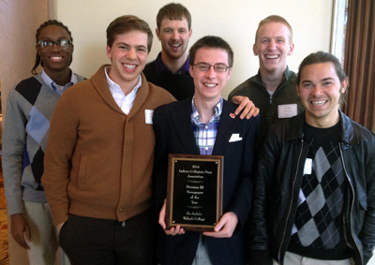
(100,154)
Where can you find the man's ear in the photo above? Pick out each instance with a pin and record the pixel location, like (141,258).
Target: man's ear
(190,69)
(297,87)
(255,50)
(291,47)
(37,49)
(157,32)
(108,51)
(229,73)
(344,86)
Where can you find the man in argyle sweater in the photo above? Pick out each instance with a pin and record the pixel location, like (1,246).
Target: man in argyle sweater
(314,195)
(28,114)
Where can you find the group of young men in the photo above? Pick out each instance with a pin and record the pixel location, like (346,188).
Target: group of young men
(298,182)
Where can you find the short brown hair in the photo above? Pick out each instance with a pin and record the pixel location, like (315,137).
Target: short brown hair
(211,42)
(125,24)
(275,19)
(173,11)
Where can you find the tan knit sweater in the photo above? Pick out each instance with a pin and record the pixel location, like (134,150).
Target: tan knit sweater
(99,160)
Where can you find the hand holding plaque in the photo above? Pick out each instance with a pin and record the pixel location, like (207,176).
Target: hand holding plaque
(194,199)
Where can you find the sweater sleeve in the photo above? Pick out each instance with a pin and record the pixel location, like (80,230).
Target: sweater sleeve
(61,143)
(14,141)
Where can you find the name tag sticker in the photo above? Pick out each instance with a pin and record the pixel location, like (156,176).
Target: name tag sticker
(148,116)
(287,110)
(308,167)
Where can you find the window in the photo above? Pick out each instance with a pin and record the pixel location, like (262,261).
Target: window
(339,21)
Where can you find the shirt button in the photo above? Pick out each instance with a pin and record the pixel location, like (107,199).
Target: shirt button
(206,148)
(120,210)
(206,127)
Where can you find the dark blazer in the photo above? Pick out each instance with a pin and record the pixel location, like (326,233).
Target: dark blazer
(174,134)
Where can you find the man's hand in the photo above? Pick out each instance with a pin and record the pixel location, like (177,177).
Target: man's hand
(174,230)
(225,227)
(20,229)
(246,106)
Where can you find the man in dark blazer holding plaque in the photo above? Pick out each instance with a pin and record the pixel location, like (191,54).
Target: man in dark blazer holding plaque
(206,125)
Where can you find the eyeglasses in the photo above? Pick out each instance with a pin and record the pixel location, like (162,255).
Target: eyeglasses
(47,44)
(218,68)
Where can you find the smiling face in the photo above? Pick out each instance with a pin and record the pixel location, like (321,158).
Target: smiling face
(128,55)
(273,46)
(320,90)
(210,84)
(55,59)
(174,36)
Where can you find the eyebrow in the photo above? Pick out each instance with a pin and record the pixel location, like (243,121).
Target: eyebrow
(59,38)
(137,46)
(273,37)
(324,79)
(173,28)
(217,63)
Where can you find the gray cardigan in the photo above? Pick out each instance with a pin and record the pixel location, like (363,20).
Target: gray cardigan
(29,111)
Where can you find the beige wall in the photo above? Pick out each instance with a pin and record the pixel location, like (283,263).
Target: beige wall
(236,21)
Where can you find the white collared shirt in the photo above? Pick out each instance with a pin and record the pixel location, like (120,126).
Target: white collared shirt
(52,84)
(124,102)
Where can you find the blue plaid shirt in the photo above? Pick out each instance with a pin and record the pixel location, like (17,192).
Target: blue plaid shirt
(205,134)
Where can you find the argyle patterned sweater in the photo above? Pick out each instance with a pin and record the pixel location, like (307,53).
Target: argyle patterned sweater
(28,114)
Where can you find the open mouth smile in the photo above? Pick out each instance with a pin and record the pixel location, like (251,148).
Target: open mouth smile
(210,84)
(318,103)
(272,56)
(129,66)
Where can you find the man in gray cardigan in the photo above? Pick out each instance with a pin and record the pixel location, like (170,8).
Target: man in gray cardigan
(29,110)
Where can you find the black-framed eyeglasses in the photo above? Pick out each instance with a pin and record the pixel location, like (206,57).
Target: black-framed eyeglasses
(218,68)
(64,44)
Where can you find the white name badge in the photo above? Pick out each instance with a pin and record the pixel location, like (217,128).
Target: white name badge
(308,167)
(287,110)
(148,116)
